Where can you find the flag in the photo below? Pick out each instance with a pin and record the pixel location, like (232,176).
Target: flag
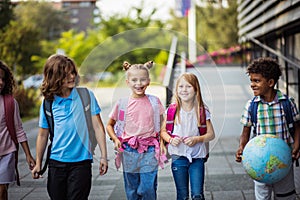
(183,6)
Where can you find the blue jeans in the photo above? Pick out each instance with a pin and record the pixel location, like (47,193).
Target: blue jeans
(183,172)
(140,174)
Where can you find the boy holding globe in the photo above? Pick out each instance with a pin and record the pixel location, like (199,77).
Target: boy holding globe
(264,74)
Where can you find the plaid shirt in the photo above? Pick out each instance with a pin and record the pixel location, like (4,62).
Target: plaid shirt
(270,117)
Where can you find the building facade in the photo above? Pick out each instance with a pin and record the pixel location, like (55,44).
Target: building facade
(82,13)
(271,28)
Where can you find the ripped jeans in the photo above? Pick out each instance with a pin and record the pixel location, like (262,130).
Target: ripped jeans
(185,172)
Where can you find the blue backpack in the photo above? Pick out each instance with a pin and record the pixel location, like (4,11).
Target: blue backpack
(286,108)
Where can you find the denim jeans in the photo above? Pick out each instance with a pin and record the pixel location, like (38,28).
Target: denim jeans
(140,174)
(185,172)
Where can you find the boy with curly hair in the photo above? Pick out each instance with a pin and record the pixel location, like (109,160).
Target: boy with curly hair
(264,73)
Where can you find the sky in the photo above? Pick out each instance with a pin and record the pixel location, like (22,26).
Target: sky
(113,7)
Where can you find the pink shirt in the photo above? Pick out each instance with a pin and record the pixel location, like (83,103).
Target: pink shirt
(6,144)
(139,121)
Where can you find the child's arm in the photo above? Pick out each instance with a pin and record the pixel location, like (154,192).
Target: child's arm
(175,141)
(41,143)
(30,160)
(208,136)
(244,138)
(295,152)
(112,134)
(101,140)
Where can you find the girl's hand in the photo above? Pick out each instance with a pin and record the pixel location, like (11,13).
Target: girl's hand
(118,145)
(175,141)
(30,162)
(189,141)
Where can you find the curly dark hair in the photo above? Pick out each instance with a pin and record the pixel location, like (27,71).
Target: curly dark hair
(8,79)
(55,71)
(267,67)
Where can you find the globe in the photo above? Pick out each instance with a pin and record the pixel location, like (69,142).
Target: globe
(267,158)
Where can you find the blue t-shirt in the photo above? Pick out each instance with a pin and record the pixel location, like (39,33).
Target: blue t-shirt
(71,137)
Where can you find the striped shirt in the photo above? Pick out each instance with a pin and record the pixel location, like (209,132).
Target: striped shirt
(270,117)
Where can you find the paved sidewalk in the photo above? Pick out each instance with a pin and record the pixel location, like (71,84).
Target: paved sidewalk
(224,180)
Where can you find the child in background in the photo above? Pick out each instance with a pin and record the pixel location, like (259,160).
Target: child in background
(137,138)
(264,74)
(8,144)
(69,168)
(186,146)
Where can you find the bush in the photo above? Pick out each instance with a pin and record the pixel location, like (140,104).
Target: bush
(29,102)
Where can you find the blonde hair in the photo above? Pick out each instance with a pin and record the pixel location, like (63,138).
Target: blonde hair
(146,66)
(198,102)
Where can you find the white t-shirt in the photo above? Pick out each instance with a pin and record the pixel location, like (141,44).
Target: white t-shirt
(188,127)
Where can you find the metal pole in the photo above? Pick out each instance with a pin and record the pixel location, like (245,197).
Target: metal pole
(192,33)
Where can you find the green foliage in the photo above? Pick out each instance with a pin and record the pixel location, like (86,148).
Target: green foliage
(43,17)
(6,13)
(29,102)
(134,46)
(22,40)
(18,43)
(216,26)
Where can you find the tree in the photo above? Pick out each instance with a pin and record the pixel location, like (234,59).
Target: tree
(21,40)
(17,45)
(48,21)
(216,25)
(6,13)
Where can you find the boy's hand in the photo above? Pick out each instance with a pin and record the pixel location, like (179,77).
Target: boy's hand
(295,154)
(103,166)
(238,155)
(35,172)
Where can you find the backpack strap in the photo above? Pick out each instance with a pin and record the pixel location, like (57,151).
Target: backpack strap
(171,112)
(9,109)
(171,117)
(86,103)
(286,104)
(202,127)
(47,106)
(120,122)
(9,106)
(154,103)
(253,114)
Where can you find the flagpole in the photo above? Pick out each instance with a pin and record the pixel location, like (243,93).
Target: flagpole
(192,33)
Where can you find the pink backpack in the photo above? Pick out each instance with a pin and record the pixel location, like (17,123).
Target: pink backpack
(171,117)
(171,112)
